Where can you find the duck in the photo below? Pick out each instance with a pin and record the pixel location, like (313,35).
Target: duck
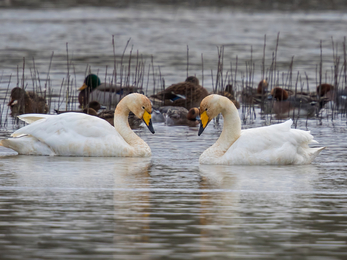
(79,134)
(336,98)
(180,116)
(251,96)
(269,145)
(284,103)
(186,94)
(325,89)
(229,93)
(24,102)
(105,94)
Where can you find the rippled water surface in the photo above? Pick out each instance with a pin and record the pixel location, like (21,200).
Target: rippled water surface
(168,206)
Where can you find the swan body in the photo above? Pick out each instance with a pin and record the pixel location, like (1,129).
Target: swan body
(79,134)
(275,144)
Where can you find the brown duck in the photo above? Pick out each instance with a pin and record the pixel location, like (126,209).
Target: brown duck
(25,102)
(229,93)
(180,116)
(186,94)
(250,95)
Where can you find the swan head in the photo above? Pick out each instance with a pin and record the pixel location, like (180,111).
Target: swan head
(141,106)
(91,82)
(210,107)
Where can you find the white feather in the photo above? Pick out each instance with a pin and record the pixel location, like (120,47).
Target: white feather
(275,144)
(78,134)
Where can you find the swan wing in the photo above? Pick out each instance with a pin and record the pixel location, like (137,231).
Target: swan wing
(275,144)
(30,118)
(71,134)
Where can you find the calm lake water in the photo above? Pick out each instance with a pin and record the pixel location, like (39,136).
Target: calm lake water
(168,206)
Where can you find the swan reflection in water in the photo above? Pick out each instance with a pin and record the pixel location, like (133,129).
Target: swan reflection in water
(131,195)
(239,200)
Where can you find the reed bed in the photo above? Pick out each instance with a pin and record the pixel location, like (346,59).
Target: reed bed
(131,68)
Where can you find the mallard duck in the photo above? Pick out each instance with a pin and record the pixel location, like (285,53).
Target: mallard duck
(79,134)
(275,144)
(24,102)
(186,94)
(180,116)
(105,94)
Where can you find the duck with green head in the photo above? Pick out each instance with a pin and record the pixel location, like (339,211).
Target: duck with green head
(106,94)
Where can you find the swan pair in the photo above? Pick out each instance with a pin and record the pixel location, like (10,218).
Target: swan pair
(76,134)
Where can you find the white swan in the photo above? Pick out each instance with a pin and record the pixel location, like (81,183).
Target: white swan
(78,134)
(275,144)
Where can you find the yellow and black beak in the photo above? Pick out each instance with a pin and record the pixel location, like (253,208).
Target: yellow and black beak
(147,118)
(84,86)
(204,120)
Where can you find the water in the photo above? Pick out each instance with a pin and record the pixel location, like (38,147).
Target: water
(168,206)
(165,34)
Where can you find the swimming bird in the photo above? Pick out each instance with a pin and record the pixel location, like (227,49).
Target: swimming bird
(336,98)
(250,95)
(78,134)
(229,93)
(180,116)
(24,102)
(275,144)
(325,89)
(284,103)
(186,94)
(105,94)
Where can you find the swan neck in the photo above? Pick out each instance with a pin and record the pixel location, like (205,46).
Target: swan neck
(231,128)
(121,123)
